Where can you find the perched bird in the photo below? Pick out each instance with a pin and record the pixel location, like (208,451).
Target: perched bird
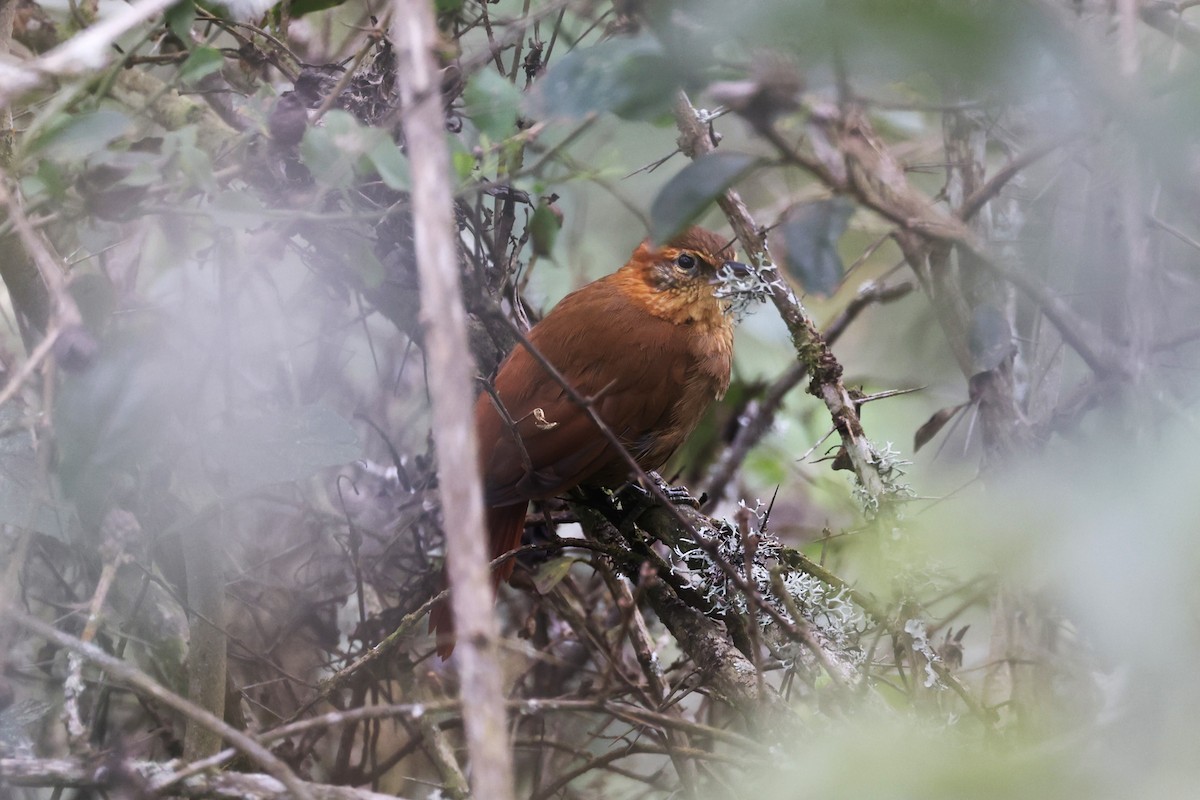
(651,345)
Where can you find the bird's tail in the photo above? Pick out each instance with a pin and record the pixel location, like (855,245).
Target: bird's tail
(505,526)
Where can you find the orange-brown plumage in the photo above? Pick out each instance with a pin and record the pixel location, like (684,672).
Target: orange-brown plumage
(651,344)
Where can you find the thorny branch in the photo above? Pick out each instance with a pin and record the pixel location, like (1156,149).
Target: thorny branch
(758,422)
(811,349)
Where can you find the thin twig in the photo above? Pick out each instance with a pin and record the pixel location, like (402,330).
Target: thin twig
(138,680)
(752,429)
(811,349)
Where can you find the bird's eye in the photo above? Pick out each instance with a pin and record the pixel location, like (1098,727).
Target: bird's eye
(686,261)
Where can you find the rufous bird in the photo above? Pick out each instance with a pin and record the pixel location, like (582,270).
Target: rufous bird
(651,345)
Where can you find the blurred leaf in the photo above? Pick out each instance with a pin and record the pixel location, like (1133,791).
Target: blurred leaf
(492,102)
(934,425)
(22,499)
(234,209)
(180,18)
(463,161)
(179,148)
(366,264)
(299,8)
(96,297)
(543,229)
(343,147)
(48,179)
(203,61)
(888,41)
(331,150)
(288,445)
(391,164)
(551,573)
(810,233)
(688,194)
(114,420)
(631,77)
(447,6)
(81,135)
(990,338)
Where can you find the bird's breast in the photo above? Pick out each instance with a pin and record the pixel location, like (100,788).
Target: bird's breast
(649,380)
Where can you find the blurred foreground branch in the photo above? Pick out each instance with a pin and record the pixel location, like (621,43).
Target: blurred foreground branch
(142,778)
(88,51)
(119,670)
(452,393)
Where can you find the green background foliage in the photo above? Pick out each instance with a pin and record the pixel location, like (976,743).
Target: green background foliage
(239,362)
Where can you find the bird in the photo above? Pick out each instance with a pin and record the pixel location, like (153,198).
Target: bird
(650,346)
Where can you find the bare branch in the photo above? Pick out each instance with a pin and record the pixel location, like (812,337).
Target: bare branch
(750,432)
(811,349)
(138,680)
(69,773)
(452,391)
(83,53)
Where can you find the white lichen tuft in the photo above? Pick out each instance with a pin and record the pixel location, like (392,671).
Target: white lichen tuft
(828,612)
(741,293)
(915,628)
(891,468)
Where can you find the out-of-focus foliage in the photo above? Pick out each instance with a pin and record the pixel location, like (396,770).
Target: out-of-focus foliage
(236,382)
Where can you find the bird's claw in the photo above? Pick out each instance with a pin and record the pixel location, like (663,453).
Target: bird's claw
(678,495)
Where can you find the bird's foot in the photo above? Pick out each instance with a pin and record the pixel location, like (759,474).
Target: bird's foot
(678,495)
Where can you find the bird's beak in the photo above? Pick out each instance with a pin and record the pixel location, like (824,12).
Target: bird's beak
(736,268)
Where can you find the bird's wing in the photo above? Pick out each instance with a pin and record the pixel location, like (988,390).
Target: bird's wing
(630,366)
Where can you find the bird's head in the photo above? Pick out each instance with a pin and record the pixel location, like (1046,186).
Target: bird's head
(680,280)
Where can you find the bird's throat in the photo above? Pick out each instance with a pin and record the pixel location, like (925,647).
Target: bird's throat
(689,304)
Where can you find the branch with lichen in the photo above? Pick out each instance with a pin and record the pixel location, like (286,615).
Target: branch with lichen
(811,348)
(849,158)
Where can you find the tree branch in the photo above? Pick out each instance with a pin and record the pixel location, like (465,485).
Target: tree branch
(87,51)
(811,348)
(452,393)
(70,773)
(122,671)
(751,432)
(855,161)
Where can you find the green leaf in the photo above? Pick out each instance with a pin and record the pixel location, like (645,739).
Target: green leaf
(631,77)
(551,573)
(810,233)
(203,61)
(48,179)
(391,164)
(324,155)
(492,102)
(81,135)
(462,160)
(114,420)
(287,445)
(892,40)
(301,7)
(362,260)
(336,151)
(180,18)
(234,209)
(543,230)
(687,195)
